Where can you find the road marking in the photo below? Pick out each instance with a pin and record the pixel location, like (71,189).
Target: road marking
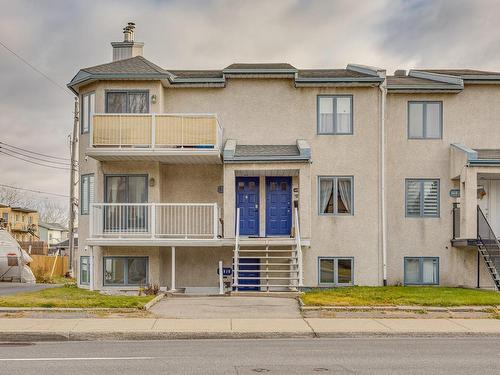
(74,359)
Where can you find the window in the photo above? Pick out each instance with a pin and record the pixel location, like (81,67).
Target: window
(85,270)
(336,271)
(86,193)
(87,112)
(425,120)
(336,195)
(335,114)
(125,271)
(422,198)
(127,102)
(5,216)
(421,271)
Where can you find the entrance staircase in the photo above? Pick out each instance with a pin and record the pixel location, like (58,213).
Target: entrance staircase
(488,247)
(267,264)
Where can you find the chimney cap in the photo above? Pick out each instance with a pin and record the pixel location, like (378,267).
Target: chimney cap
(400,73)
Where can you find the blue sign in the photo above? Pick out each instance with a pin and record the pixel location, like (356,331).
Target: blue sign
(226,271)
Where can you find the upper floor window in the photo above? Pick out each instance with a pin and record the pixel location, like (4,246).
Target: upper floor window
(336,195)
(86,193)
(335,114)
(87,112)
(127,102)
(422,198)
(5,216)
(425,120)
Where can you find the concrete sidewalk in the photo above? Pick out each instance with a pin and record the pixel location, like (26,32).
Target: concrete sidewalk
(20,329)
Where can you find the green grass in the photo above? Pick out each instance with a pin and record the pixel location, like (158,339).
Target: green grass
(398,295)
(71,296)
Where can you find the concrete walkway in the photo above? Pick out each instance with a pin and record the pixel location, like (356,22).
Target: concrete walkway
(227,307)
(20,329)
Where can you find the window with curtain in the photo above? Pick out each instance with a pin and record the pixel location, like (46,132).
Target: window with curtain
(422,198)
(335,195)
(129,271)
(86,193)
(87,112)
(85,270)
(335,270)
(334,114)
(127,102)
(425,120)
(421,270)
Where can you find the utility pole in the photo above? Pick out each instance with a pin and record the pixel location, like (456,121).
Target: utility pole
(72,190)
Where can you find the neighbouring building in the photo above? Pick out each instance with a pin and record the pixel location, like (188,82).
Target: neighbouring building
(52,233)
(21,223)
(291,177)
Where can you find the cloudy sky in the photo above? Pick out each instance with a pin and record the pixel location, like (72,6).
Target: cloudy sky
(59,37)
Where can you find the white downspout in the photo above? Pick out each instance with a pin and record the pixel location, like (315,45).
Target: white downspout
(383,92)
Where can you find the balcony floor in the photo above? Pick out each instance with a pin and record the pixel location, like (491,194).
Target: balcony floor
(205,242)
(164,155)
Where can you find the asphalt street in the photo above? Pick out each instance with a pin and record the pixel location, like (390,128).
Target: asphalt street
(411,355)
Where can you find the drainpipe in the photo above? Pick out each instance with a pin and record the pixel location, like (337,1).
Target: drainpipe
(383,214)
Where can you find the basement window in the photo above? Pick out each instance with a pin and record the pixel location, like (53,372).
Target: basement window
(85,270)
(125,271)
(335,271)
(421,270)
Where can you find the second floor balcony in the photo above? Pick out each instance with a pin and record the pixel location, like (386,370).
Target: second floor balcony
(176,138)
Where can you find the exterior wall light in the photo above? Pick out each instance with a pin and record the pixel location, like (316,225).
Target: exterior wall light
(153,99)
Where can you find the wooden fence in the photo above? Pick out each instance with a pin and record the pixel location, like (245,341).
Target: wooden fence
(37,247)
(42,264)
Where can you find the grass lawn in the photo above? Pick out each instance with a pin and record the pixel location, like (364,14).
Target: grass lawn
(398,295)
(71,296)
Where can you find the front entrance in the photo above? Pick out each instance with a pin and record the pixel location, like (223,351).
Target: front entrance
(247,200)
(489,201)
(278,206)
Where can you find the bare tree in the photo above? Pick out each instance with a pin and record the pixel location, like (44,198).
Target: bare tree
(52,211)
(12,197)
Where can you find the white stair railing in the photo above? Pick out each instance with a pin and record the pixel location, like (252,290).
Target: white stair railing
(236,250)
(298,247)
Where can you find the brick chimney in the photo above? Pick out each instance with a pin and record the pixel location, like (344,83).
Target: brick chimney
(128,48)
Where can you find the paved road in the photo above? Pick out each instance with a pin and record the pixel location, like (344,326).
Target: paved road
(244,357)
(13,288)
(227,307)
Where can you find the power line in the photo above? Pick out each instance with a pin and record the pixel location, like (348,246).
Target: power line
(34,191)
(34,67)
(20,153)
(33,152)
(32,162)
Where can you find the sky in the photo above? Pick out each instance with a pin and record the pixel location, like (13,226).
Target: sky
(59,37)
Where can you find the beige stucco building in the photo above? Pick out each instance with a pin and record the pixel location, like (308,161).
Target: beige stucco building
(337,176)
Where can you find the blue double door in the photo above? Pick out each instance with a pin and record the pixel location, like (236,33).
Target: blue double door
(278,205)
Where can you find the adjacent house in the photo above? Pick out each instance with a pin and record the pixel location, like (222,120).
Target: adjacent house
(52,233)
(21,223)
(291,177)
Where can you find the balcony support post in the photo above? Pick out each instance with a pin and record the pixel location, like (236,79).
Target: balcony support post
(152,207)
(153,130)
(172,283)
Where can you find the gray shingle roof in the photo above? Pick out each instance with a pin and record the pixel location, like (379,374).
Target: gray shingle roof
(52,226)
(133,65)
(260,66)
(490,154)
(197,73)
(331,73)
(266,150)
(460,72)
(411,81)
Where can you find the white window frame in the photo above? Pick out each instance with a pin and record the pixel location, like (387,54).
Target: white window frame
(335,271)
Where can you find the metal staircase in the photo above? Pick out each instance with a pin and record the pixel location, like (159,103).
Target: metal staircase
(488,247)
(267,264)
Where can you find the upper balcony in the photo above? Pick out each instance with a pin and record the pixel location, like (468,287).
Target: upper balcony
(166,137)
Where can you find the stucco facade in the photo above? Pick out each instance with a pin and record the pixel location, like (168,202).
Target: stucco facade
(268,105)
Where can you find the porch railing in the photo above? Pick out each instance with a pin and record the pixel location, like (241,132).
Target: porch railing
(152,130)
(155,220)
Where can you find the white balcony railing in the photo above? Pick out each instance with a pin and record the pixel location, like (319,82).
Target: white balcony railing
(151,130)
(154,220)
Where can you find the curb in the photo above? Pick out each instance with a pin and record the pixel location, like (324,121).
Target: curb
(67,309)
(152,336)
(154,301)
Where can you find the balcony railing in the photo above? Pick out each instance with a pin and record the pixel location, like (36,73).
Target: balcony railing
(128,130)
(155,220)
